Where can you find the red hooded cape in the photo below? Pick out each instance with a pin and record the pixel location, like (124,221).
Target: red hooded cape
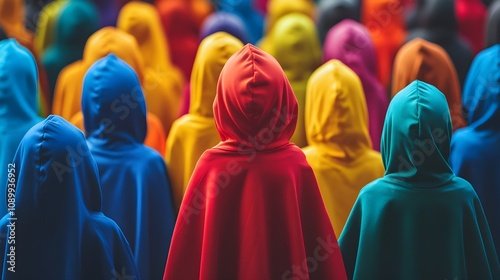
(253,209)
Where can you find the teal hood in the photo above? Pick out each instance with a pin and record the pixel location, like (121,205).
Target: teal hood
(415,142)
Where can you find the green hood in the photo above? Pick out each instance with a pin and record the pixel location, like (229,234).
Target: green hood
(415,142)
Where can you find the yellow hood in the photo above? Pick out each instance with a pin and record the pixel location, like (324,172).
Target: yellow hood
(195,132)
(212,54)
(336,113)
(339,150)
(142,21)
(279,8)
(68,91)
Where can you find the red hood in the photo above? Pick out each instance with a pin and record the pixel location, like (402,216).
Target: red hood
(255,105)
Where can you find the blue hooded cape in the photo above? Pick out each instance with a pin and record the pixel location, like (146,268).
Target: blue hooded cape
(59,231)
(475,150)
(18,103)
(246,10)
(135,187)
(419,221)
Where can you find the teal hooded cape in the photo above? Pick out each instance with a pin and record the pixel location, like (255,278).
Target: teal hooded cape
(419,221)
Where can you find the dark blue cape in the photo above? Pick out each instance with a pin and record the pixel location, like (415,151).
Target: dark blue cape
(59,231)
(475,150)
(135,187)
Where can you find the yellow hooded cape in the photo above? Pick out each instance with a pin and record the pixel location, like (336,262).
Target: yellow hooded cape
(340,150)
(295,44)
(195,132)
(163,81)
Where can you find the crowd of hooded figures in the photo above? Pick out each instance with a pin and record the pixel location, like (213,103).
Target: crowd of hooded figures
(250,139)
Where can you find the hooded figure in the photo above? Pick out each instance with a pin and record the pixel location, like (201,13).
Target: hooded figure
(493,26)
(247,212)
(428,62)
(386,23)
(163,81)
(350,43)
(224,22)
(33,9)
(68,92)
(439,26)
(60,231)
(77,21)
(340,151)
(135,188)
(195,132)
(18,103)
(474,150)
(11,21)
(332,12)
(46,25)
(248,11)
(279,9)
(294,43)
(472,16)
(419,221)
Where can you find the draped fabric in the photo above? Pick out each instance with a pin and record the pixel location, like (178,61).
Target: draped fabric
(428,62)
(474,150)
(419,221)
(350,43)
(252,209)
(195,132)
(60,231)
(135,187)
(294,42)
(18,103)
(340,150)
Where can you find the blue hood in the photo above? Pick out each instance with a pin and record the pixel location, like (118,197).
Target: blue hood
(113,103)
(415,143)
(481,95)
(18,85)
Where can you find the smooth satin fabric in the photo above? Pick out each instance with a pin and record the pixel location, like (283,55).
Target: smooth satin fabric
(350,43)
(67,96)
(474,150)
(163,82)
(419,221)
(136,191)
(428,62)
(60,231)
(76,22)
(439,26)
(195,132)
(472,16)
(386,24)
(252,209)
(18,103)
(294,42)
(340,151)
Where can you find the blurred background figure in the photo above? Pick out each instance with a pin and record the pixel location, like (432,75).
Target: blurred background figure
(248,11)
(428,62)
(340,151)
(474,150)
(331,12)
(493,25)
(195,132)
(472,16)
(294,42)
(18,103)
(350,43)
(438,25)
